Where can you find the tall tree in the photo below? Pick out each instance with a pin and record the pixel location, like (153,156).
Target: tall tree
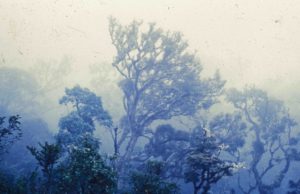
(161,79)
(84,170)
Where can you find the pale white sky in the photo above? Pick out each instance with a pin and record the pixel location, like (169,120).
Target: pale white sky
(251,42)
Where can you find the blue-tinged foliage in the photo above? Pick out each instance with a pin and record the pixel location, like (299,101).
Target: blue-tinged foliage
(87,109)
(87,105)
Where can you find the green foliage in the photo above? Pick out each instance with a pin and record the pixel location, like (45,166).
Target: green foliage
(19,185)
(85,171)
(82,171)
(151,181)
(6,183)
(47,157)
(204,165)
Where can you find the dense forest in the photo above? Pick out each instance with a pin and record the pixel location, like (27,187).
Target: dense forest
(180,131)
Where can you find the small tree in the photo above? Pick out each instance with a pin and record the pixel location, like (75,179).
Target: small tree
(204,165)
(47,158)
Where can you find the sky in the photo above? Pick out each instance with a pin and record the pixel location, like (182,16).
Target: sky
(253,42)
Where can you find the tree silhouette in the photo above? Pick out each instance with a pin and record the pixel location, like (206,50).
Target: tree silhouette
(161,79)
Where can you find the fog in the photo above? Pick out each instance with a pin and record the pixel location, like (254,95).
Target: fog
(65,43)
(250,42)
(253,42)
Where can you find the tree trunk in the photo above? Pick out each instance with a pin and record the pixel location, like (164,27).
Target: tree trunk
(125,159)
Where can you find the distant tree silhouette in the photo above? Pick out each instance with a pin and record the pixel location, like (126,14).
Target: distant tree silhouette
(269,131)
(9,133)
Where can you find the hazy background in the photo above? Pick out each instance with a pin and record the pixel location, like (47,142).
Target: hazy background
(250,42)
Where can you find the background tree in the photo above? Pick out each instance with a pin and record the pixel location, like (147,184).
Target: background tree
(161,79)
(50,74)
(171,146)
(34,130)
(10,133)
(230,130)
(269,134)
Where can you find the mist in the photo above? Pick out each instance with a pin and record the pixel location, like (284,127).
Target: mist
(241,57)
